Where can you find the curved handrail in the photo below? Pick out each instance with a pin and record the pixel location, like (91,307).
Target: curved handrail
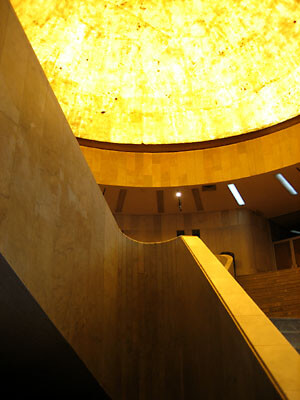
(227,261)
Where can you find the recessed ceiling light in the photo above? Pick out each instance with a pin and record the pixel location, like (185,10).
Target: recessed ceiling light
(178,194)
(294,231)
(286,184)
(236,194)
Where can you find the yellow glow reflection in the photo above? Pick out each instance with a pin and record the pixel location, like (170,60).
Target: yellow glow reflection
(168,71)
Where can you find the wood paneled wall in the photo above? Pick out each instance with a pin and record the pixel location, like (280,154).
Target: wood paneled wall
(144,318)
(205,166)
(242,232)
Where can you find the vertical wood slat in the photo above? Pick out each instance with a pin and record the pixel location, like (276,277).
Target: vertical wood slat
(160,201)
(121,200)
(197,199)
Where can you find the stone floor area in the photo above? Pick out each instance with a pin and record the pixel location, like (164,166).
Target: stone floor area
(290,328)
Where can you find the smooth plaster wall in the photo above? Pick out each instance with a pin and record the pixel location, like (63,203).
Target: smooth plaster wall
(242,232)
(143,318)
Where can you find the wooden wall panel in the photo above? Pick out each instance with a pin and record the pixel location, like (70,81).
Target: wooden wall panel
(242,232)
(197,199)
(205,166)
(160,201)
(144,318)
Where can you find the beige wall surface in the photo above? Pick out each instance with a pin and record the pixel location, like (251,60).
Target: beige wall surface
(143,318)
(242,232)
(204,166)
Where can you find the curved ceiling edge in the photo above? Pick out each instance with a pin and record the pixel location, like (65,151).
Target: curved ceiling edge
(178,147)
(263,154)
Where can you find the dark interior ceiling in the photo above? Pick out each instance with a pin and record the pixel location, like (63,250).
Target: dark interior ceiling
(262,194)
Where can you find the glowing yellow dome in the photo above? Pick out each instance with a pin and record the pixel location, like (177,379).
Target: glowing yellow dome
(168,71)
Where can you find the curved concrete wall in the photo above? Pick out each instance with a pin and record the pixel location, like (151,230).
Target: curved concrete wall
(149,321)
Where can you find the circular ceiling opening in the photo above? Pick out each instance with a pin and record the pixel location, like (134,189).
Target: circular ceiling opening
(175,71)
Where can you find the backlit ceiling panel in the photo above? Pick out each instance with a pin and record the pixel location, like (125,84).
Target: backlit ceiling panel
(168,71)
